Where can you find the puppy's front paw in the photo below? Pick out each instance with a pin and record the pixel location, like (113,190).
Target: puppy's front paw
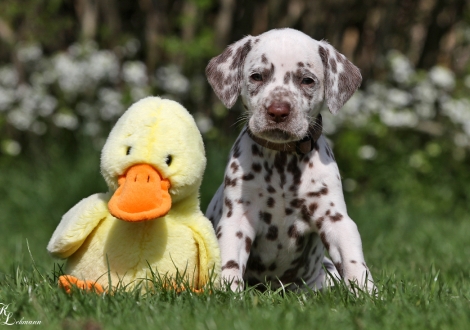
(364,283)
(233,279)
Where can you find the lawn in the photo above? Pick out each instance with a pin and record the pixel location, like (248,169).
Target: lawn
(420,262)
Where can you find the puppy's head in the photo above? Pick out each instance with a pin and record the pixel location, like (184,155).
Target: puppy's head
(283,76)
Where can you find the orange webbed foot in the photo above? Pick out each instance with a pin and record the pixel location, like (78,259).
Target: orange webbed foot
(180,288)
(66,282)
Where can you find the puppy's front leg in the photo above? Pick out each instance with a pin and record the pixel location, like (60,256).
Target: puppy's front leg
(236,233)
(343,242)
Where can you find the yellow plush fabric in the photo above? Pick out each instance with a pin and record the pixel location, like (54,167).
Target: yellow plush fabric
(158,143)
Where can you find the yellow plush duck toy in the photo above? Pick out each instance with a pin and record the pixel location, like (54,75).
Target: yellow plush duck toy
(150,221)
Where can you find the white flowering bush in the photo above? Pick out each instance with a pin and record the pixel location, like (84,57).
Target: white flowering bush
(81,90)
(407,133)
(392,136)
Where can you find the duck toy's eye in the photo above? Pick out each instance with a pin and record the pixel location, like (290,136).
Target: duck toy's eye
(168,160)
(128,150)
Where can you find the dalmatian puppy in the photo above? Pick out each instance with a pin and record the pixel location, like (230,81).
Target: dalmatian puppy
(281,204)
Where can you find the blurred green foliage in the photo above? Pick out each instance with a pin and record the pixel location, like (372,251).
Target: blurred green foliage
(68,73)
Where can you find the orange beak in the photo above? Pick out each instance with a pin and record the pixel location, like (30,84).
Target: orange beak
(142,195)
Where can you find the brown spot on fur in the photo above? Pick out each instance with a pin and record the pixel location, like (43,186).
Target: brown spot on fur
(229,205)
(322,191)
(248,177)
(222,58)
(288,211)
(280,161)
(271,202)
(312,208)
(332,63)
(287,77)
(272,233)
(264,59)
(306,214)
(324,241)
(319,222)
(239,234)
(256,264)
(240,55)
(292,232)
(339,268)
(256,151)
(234,166)
(248,242)
(231,264)
(265,216)
(297,202)
(236,149)
(256,167)
(230,182)
(336,217)
(293,168)
(271,189)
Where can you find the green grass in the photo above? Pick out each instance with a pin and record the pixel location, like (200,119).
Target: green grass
(420,263)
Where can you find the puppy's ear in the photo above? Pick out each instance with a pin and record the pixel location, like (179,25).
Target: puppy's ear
(342,78)
(225,71)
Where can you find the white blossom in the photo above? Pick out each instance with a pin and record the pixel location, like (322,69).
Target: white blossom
(11,147)
(102,65)
(402,118)
(399,97)
(367,152)
(134,73)
(425,110)
(425,92)
(20,119)
(459,112)
(170,79)
(7,98)
(66,120)
(111,103)
(402,69)
(47,105)
(204,123)
(8,76)
(442,77)
(29,52)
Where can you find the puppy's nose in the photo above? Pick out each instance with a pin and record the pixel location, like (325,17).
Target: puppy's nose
(279,111)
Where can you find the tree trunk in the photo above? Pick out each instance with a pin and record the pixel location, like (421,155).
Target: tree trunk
(223,23)
(155,24)
(110,11)
(87,12)
(443,18)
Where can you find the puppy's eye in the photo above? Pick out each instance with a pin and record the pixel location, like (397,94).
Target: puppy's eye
(256,77)
(308,81)
(168,160)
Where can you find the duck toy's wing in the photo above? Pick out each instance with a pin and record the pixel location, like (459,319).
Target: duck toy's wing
(77,224)
(208,251)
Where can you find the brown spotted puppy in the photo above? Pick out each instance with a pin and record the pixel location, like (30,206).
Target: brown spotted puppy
(281,204)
